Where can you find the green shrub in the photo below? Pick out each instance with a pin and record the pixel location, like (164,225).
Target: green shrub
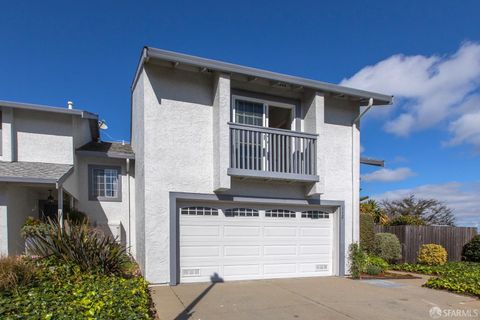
(357,259)
(387,246)
(14,273)
(432,254)
(367,234)
(373,270)
(32,226)
(406,220)
(377,262)
(91,250)
(63,291)
(76,217)
(471,251)
(459,277)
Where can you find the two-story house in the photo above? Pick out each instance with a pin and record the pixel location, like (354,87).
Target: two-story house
(233,172)
(242,173)
(51,161)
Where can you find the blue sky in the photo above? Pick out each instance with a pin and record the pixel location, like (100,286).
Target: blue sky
(87,51)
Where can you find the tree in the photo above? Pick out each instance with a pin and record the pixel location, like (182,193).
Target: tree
(431,211)
(372,208)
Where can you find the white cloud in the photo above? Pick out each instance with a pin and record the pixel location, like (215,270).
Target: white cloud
(388,175)
(466,129)
(463,199)
(429,90)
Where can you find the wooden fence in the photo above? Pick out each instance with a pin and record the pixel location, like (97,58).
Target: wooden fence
(412,237)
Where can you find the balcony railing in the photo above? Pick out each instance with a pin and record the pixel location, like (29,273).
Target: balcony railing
(272,153)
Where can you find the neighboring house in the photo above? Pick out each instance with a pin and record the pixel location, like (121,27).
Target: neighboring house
(236,173)
(48,164)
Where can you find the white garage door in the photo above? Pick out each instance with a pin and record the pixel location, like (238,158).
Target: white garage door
(253,243)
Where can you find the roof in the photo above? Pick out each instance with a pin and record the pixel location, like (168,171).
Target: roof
(107,149)
(372,162)
(215,65)
(44,108)
(34,172)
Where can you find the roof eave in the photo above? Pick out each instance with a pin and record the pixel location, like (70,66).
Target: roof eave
(101,154)
(165,55)
(44,108)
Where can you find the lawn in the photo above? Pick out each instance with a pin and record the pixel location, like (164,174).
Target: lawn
(461,277)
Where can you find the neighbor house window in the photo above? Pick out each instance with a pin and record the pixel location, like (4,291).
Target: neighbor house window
(104,183)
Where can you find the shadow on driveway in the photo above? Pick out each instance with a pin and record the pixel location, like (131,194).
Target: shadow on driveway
(186,313)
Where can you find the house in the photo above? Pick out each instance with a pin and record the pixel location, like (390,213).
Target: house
(233,172)
(50,162)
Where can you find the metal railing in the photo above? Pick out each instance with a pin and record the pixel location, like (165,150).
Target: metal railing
(264,149)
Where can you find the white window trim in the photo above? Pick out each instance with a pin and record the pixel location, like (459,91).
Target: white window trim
(266,104)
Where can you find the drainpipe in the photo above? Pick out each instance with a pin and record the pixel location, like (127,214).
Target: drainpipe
(129,211)
(355,123)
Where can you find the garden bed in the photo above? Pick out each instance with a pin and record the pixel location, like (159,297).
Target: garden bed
(60,290)
(460,277)
(388,275)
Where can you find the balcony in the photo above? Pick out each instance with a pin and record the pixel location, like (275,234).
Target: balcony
(272,154)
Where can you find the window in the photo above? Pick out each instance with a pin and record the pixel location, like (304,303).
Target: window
(315,214)
(241,212)
(199,211)
(104,183)
(247,112)
(280,213)
(263,113)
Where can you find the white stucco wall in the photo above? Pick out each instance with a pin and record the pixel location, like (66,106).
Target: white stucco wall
(18,202)
(3,221)
(105,213)
(137,127)
(44,137)
(36,136)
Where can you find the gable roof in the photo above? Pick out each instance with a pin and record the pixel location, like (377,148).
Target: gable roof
(215,65)
(107,149)
(44,108)
(34,172)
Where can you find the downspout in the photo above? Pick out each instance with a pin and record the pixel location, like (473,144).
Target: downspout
(355,123)
(129,210)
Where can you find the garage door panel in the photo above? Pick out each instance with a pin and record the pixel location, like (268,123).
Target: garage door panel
(241,270)
(241,231)
(276,250)
(275,269)
(200,230)
(242,251)
(323,231)
(239,247)
(200,251)
(314,249)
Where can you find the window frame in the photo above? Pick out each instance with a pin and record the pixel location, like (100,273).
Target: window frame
(91,195)
(266,103)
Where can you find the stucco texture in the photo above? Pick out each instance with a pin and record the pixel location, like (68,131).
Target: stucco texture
(176,137)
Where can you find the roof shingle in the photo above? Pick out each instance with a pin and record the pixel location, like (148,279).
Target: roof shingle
(35,172)
(110,149)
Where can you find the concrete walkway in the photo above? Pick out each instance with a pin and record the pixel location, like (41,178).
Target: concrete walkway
(311,298)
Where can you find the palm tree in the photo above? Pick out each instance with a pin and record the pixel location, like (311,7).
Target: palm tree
(372,208)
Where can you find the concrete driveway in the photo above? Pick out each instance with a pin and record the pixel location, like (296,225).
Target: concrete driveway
(311,298)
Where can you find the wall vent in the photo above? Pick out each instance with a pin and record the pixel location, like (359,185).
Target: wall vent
(321,267)
(190,272)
